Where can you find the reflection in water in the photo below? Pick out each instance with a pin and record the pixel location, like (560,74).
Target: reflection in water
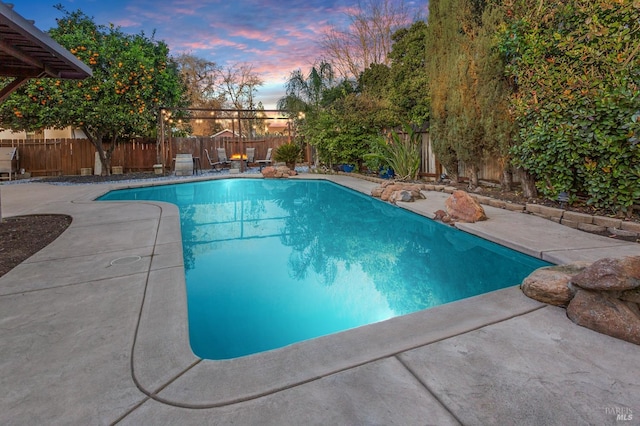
(272,262)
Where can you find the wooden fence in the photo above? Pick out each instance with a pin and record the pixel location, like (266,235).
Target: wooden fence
(196,146)
(56,157)
(53,157)
(68,156)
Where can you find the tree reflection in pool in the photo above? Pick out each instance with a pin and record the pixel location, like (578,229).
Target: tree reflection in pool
(273,262)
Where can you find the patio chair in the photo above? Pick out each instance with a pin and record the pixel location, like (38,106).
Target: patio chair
(267,160)
(214,164)
(8,161)
(222,156)
(251,156)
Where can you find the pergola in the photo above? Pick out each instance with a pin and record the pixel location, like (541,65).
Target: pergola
(26,52)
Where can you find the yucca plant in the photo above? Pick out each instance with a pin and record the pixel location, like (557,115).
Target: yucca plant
(399,152)
(288,153)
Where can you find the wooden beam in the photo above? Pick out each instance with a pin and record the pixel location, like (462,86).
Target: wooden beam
(18,54)
(9,88)
(13,71)
(6,47)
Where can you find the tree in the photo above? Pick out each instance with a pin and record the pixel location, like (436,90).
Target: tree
(305,93)
(497,121)
(375,82)
(238,85)
(344,131)
(408,78)
(470,119)
(200,78)
(441,37)
(368,39)
(304,98)
(132,77)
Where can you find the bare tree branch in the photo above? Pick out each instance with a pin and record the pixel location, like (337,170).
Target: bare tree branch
(368,39)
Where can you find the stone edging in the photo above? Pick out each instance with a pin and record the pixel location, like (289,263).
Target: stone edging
(581,221)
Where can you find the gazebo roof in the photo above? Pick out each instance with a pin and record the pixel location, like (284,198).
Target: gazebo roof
(26,52)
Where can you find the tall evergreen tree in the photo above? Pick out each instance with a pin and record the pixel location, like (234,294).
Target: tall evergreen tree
(470,119)
(442,40)
(408,79)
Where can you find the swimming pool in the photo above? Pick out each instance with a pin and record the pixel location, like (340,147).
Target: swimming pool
(272,262)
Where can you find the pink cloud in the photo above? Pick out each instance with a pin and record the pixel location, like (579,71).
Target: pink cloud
(274,36)
(251,34)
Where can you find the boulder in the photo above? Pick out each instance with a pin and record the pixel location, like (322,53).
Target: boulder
(603,296)
(377,192)
(387,190)
(552,284)
(600,312)
(397,191)
(439,214)
(461,206)
(269,172)
(278,172)
(401,195)
(611,274)
(630,295)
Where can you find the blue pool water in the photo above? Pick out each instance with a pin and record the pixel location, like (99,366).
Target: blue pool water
(273,262)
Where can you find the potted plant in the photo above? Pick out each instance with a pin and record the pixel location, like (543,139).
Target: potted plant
(289,153)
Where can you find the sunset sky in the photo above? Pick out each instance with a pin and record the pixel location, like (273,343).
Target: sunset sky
(275,36)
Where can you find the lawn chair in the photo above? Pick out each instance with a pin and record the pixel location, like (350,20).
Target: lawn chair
(251,156)
(267,160)
(9,161)
(214,164)
(222,156)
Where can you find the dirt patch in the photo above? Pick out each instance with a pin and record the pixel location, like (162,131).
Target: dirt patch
(23,236)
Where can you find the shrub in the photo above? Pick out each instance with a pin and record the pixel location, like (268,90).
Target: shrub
(399,152)
(288,153)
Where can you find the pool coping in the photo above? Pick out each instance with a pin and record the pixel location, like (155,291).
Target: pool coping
(165,369)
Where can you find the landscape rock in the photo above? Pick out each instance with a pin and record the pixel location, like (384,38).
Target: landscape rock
(398,191)
(552,284)
(439,214)
(611,274)
(603,296)
(401,195)
(461,206)
(605,314)
(278,172)
(630,295)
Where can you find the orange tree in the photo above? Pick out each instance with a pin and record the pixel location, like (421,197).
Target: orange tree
(576,70)
(133,76)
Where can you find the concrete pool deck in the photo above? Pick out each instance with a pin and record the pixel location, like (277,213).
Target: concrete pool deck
(94,331)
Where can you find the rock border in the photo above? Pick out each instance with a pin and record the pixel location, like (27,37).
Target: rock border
(581,221)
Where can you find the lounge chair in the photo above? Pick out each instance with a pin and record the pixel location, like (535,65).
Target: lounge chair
(251,156)
(222,156)
(267,160)
(214,164)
